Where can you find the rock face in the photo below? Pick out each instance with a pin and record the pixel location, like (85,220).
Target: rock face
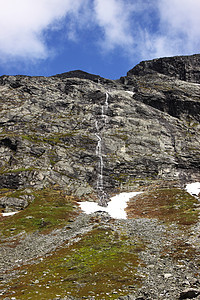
(48,132)
(76,135)
(185,68)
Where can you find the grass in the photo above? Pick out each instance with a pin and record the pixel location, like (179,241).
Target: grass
(56,138)
(181,250)
(50,209)
(102,264)
(168,205)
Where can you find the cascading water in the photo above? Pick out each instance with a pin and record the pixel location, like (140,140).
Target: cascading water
(100,125)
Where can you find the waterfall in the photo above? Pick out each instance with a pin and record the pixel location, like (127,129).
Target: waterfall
(100,125)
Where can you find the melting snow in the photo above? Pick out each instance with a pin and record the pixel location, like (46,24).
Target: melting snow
(193,188)
(116,207)
(130,93)
(9,214)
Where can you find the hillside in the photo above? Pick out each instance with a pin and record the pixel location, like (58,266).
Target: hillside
(77,136)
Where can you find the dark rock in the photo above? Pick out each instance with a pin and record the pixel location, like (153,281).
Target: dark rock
(37,151)
(13,203)
(78,74)
(9,181)
(189,294)
(7,142)
(185,68)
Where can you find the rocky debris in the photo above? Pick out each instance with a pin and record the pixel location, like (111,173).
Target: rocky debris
(163,276)
(32,246)
(9,204)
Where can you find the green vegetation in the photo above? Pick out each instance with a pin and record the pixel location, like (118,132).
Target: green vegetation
(181,250)
(6,169)
(50,209)
(11,193)
(54,139)
(168,205)
(103,263)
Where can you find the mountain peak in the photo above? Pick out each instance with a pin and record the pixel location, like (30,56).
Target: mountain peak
(185,68)
(78,74)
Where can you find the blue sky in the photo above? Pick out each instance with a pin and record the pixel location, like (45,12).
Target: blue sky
(104,37)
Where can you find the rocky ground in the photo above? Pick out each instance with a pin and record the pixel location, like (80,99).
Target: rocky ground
(135,258)
(59,138)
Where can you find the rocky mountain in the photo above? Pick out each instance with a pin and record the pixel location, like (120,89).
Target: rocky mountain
(48,131)
(79,136)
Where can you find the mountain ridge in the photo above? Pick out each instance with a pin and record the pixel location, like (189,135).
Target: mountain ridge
(76,136)
(140,108)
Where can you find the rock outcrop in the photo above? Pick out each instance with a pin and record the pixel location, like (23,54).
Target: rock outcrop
(185,68)
(48,127)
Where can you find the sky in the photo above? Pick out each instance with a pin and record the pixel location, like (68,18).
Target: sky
(103,37)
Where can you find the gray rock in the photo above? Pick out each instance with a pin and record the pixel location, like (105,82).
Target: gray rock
(48,130)
(10,204)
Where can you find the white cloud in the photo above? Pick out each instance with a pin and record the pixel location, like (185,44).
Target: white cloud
(181,15)
(178,31)
(142,29)
(22,23)
(113,17)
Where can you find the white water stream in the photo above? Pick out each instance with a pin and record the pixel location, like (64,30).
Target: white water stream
(100,125)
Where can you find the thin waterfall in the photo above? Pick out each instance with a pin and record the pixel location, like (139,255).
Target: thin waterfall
(100,125)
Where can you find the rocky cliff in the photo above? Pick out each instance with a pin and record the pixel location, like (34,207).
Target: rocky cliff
(48,131)
(77,136)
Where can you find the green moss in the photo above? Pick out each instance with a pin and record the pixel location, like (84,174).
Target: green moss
(52,139)
(32,138)
(102,264)
(21,170)
(181,250)
(5,170)
(122,178)
(169,205)
(50,209)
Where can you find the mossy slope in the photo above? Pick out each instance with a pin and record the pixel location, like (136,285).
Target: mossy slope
(168,205)
(103,263)
(52,208)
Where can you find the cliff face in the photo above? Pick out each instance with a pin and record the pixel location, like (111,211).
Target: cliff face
(149,128)
(185,68)
(79,136)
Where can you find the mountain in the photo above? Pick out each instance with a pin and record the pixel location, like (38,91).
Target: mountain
(48,132)
(79,136)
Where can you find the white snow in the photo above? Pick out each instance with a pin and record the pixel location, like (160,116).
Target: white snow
(193,188)
(9,214)
(130,93)
(116,207)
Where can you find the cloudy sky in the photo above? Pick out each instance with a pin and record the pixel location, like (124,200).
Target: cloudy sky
(105,37)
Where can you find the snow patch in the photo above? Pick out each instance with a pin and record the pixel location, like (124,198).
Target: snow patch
(130,93)
(116,207)
(193,188)
(9,214)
